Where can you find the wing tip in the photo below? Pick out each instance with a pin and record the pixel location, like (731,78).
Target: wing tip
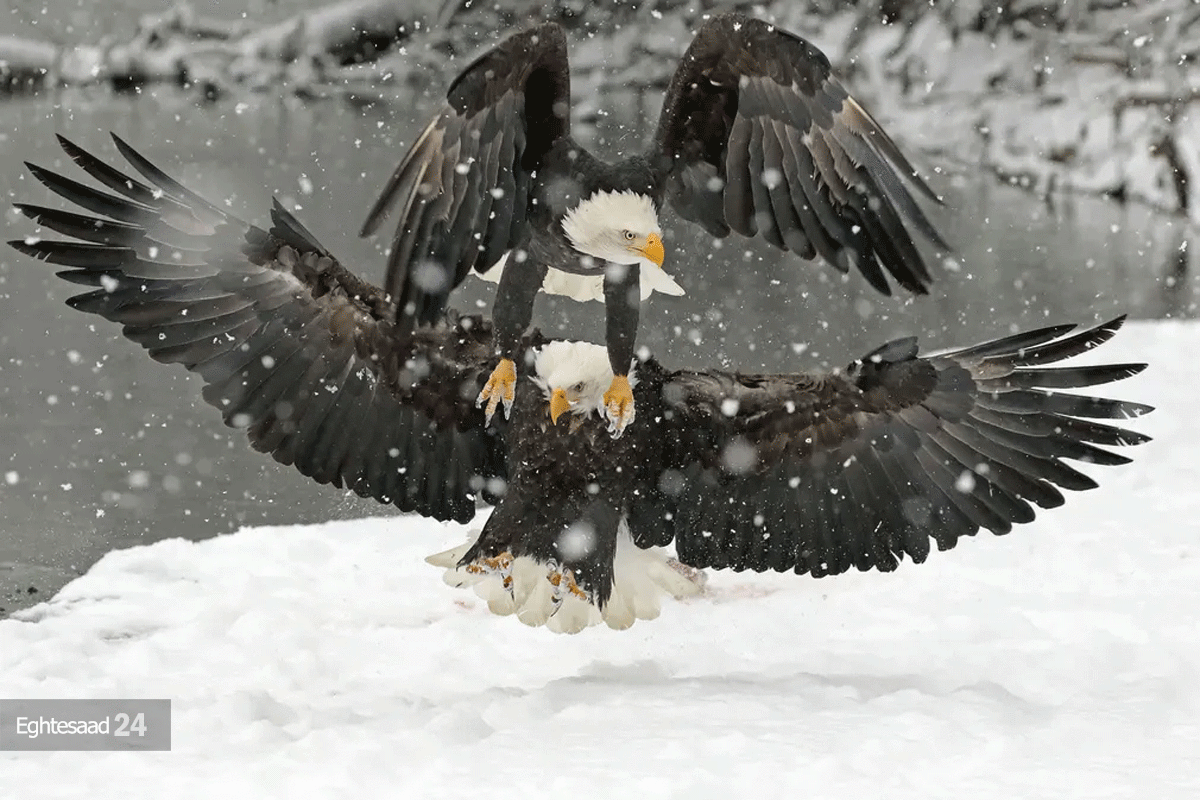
(1114,324)
(1135,410)
(68,146)
(370,225)
(121,144)
(30,210)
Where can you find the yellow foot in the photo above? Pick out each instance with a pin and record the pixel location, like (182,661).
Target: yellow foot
(564,584)
(500,387)
(618,405)
(500,565)
(502,562)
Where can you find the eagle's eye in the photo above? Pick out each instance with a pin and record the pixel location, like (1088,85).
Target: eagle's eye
(577,388)
(629,235)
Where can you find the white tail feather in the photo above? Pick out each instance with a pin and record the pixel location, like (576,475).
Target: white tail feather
(640,579)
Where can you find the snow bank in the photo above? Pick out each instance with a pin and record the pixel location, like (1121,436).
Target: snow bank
(1059,661)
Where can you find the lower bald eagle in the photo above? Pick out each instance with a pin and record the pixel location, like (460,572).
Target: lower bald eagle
(755,135)
(812,472)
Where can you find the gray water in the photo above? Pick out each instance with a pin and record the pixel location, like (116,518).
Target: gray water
(102,448)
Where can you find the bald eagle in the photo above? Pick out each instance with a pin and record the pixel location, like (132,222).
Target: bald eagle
(755,136)
(811,472)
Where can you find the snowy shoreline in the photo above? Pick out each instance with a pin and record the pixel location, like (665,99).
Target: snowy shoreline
(1059,660)
(1085,96)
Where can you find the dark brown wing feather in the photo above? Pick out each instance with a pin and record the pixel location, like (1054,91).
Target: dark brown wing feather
(463,187)
(820,473)
(293,348)
(763,140)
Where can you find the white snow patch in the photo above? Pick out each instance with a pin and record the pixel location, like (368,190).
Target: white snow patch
(330,660)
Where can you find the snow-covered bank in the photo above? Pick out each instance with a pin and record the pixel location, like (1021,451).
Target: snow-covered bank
(1059,661)
(1088,95)
(1094,98)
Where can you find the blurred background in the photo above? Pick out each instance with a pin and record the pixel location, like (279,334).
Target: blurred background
(1063,138)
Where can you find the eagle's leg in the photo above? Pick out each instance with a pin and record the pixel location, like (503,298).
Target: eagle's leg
(622,301)
(500,387)
(512,312)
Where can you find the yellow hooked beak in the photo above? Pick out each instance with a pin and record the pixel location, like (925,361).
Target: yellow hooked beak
(559,405)
(653,249)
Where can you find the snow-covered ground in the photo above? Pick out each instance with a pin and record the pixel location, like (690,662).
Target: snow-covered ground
(1062,661)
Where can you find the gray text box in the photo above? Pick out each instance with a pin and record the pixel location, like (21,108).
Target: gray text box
(60,724)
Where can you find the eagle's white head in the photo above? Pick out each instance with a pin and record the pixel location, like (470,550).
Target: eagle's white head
(619,227)
(574,377)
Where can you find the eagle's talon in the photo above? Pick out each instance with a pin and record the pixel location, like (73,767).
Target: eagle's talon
(500,388)
(563,581)
(618,405)
(500,564)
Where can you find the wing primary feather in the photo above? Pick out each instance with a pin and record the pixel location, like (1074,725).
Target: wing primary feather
(1060,377)
(889,186)
(860,120)
(89,229)
(496,239)
(1009,345)
(107,175)
(966,442)
(828,233)
(1070,346)
(287,228)
(739,194)
(1028,400)
(391,190)
(197,205)
(1097,432)
(897,255)
(1054,445)
(778,189)
(118,208)
(194,353)
(763,218)
(156,336)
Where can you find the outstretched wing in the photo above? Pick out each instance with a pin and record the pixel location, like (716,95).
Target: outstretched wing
(294,349)
(820,473)
(762,139)
(463,187)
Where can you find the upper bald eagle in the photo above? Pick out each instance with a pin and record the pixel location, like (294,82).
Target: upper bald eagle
(755,136)
(812,472)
